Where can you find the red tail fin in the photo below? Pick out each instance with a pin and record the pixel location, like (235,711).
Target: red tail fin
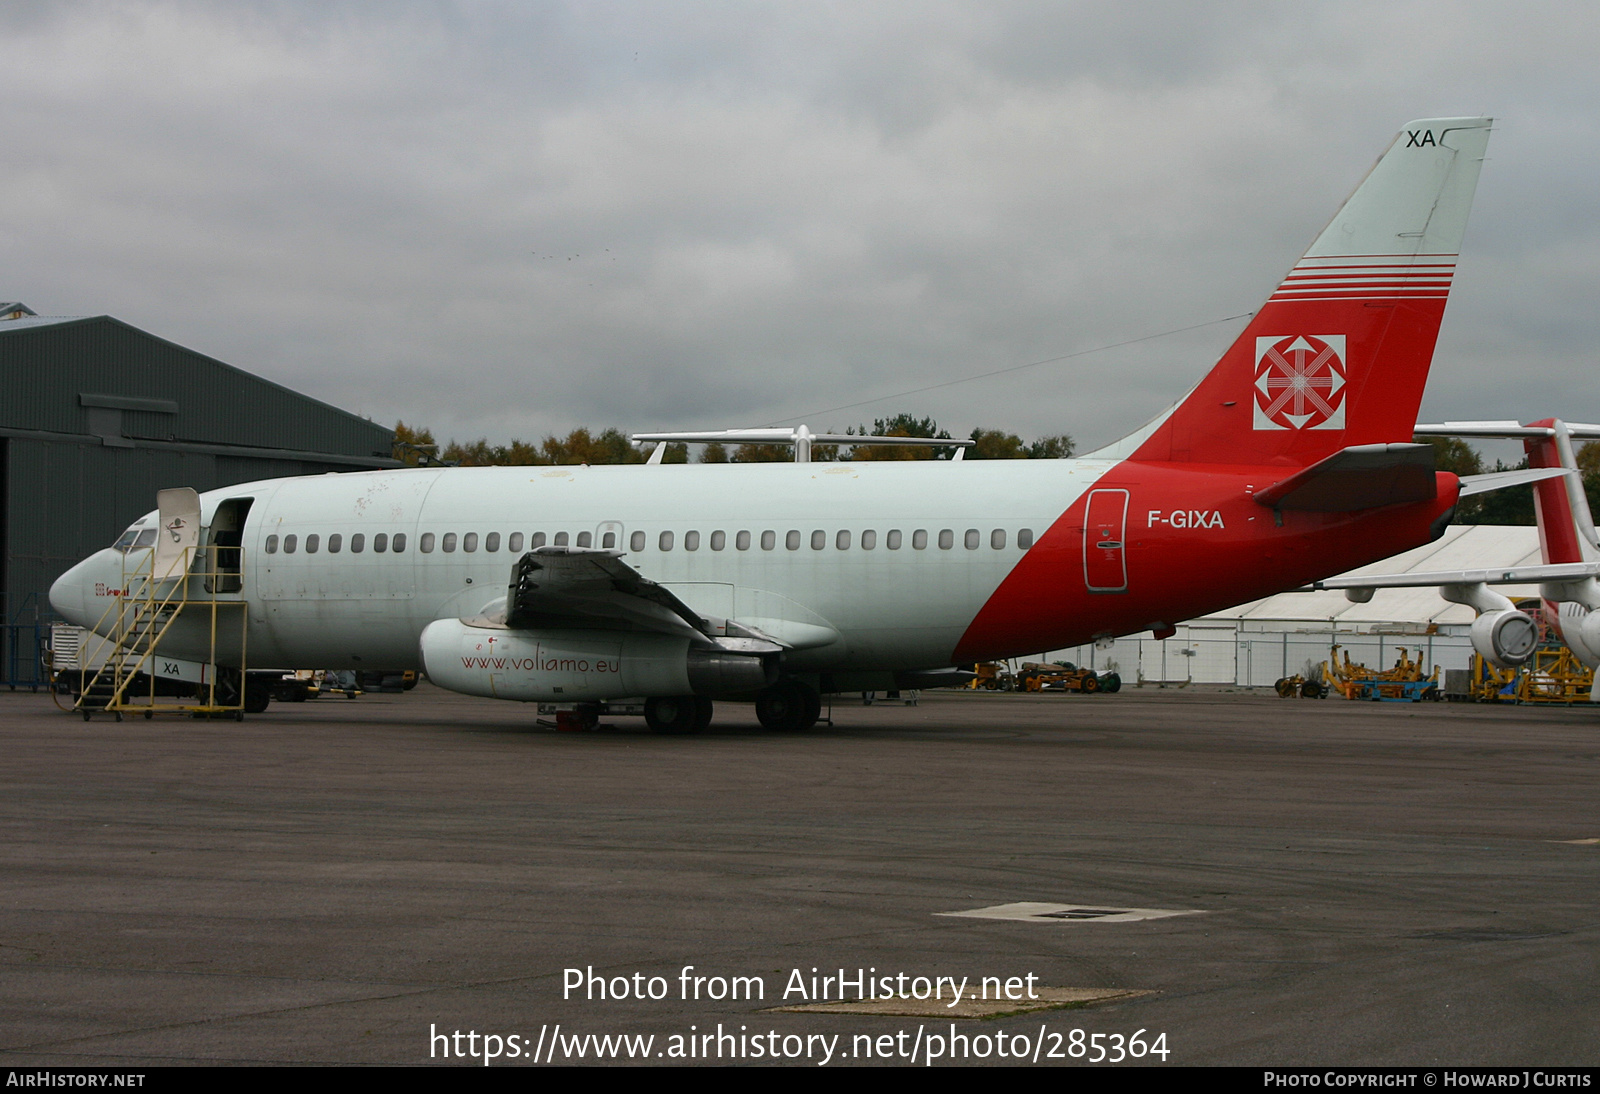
(1339,354)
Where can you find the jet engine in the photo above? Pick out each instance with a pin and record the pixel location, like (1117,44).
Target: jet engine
(1581,629)
(1505,638)
(583,665)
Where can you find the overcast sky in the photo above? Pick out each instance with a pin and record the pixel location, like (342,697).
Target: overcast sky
(513,219)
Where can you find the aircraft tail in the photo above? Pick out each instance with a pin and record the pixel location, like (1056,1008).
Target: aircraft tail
(1566,527)
(1339,354)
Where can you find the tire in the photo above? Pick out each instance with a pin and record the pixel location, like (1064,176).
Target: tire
(1111,683)
(1091,684)
(789,706)
(257,696)
(672,713)
(1311,690)
(703,710)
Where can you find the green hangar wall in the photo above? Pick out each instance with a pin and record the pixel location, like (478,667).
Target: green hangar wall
(96,416)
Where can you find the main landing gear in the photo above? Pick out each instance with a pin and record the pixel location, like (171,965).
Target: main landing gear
(678,713)
(789,706)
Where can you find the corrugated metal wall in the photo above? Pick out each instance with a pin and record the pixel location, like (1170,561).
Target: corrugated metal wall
(45,369)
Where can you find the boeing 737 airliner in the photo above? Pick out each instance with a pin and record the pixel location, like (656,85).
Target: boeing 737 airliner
(1289,462)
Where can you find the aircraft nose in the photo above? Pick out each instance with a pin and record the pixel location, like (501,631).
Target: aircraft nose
(67,595)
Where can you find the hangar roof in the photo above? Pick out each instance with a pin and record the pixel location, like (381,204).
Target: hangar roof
(72,375)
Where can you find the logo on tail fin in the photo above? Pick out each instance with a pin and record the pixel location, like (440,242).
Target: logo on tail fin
(1299,381)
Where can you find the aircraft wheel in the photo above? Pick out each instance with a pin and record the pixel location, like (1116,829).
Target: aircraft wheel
(703,709)
(674,713)
(257,696)
(789,706)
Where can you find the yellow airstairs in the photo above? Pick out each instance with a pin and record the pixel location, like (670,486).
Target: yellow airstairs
(178,588)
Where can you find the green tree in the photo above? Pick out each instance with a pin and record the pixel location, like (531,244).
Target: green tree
(902,425)
(1056,447)
(992,444)
(414,446)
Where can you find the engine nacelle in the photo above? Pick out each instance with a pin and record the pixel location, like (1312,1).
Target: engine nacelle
(1582,633)
(563,666)
(1505,638)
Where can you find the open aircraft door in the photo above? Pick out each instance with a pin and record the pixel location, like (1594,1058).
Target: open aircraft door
(1105,526)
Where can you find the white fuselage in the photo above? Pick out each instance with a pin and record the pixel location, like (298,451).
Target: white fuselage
(853,565)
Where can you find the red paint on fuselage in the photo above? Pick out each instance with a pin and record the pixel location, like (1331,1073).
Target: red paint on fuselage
(1175,573)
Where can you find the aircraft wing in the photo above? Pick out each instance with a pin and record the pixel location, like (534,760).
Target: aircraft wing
(1510,575)
(583,587)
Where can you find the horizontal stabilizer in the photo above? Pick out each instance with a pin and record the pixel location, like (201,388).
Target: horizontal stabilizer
(1499,480)
(1363,476)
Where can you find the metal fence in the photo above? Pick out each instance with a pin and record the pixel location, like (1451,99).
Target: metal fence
(1248,657)
(21,647)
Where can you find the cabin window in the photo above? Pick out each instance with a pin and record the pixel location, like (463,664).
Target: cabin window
(997,539)
(491,542)
(272,545)
(842,540)
(919,540)
(636,541)
(819,540)
(719,540)
(469,542)
(973,539)
(691,541)
(537,540)
(869,540)
(585,539)
(892,541)
(380,543)
(313,541)
(515,542)
(1025,538)
(608,541)
(561,540)
(947,539)
(742,541)
(358,543)
(449,544)
(399,543)
(426,544)
(289,544)
(769,540)
(792,540)
(666,541)
(335,541)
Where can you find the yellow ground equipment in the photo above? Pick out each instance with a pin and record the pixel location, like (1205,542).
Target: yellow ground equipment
(1554,676)
(1065,676)
(1404,683)
(992,676)
(1290,686)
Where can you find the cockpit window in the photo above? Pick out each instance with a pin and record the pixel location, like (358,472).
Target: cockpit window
(137,536)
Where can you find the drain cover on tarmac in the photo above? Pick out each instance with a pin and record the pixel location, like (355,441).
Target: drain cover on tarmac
(1047,999)
(1033,911)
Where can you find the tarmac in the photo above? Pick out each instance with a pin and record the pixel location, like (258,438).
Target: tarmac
(355,881)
